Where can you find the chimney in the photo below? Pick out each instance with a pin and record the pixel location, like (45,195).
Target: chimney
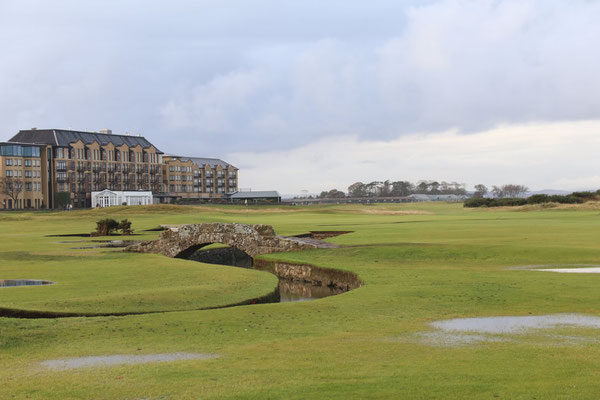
(105,130)
(34,129)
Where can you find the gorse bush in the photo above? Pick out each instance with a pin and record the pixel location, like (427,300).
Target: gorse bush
(106,226)
(573,198)
(125,227)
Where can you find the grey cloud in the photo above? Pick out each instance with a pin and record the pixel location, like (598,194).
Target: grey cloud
(219,77)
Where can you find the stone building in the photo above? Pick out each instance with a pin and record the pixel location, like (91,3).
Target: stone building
(197,178)
(63,167)
(22,175)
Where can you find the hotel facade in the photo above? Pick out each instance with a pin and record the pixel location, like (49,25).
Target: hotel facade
(53,168)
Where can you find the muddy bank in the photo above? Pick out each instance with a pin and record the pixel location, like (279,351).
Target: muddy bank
(316,276)
(297,282)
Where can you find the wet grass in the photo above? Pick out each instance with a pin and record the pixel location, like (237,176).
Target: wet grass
(360,344)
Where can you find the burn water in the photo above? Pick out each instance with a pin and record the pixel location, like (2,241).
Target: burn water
(287,289)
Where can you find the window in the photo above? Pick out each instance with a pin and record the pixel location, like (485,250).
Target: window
(28,186)
(27,174)
(9,173)
(9,161)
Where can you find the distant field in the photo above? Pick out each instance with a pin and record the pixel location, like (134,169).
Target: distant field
(420,263)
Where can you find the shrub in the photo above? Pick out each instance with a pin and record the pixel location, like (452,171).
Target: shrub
(538,199)
(477,202)
(125,227)
(106,226)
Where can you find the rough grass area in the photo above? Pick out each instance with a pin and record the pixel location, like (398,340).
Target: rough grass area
(441,263)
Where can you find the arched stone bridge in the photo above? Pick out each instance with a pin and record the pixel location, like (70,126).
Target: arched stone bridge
(183,240)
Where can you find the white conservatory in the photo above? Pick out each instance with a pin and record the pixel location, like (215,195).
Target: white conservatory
(107,198)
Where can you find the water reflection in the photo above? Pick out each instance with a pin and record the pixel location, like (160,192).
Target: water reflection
(287,290)
(22,282)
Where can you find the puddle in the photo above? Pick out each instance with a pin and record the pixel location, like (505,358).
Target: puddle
(23,282)
(568,268)
(500,325)
(121,359)
(296,282)
(580,270)
(463,331)
(322,234)
(107,244)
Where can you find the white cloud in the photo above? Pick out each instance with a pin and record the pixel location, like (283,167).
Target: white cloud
(542,155)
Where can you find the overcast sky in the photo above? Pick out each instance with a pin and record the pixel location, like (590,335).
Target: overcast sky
(319,94)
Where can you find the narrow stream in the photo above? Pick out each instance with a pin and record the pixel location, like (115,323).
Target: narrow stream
(287,289)
(22,282)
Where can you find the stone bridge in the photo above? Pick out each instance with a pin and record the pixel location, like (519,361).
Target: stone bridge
(183,240)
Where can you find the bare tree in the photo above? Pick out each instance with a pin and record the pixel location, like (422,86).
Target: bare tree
(509,190)
(12,186)
(480,190)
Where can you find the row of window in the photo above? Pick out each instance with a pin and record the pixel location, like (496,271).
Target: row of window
(17,162)
(192,189)
(107,155)
(33,186)
(177,168)
(17,150)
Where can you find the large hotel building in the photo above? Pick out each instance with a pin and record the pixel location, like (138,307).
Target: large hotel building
(53,168)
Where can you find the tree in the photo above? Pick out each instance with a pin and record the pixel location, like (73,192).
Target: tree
(373,188)
(12,186)
(509,190)
(63,199)
(357,189)
(480,191)
(386,189)
(402,188)
(422,187)
(332,194)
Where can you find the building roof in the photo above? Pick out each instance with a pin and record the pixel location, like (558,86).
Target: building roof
(202,161)
(62,138)
(254,195)
(433,197)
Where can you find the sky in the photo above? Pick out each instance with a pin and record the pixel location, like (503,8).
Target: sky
(314,95)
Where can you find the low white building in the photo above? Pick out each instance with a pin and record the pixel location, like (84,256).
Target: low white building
(107,198)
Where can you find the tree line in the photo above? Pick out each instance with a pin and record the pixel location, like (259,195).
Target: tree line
(395,189)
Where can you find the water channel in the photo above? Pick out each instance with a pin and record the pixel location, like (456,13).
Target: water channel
(22,282)
(288,288)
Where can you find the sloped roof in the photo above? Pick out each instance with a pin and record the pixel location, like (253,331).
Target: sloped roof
(254,195)
(202,161)
(62,138)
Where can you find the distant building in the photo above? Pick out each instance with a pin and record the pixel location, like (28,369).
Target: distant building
(109,198)
(22,165)
(63,167)
(438,197)
(197,178)
(255,197)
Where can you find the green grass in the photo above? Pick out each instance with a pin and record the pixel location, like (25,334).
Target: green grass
(443,262)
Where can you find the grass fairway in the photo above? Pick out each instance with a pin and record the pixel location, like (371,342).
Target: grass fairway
(420,263)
